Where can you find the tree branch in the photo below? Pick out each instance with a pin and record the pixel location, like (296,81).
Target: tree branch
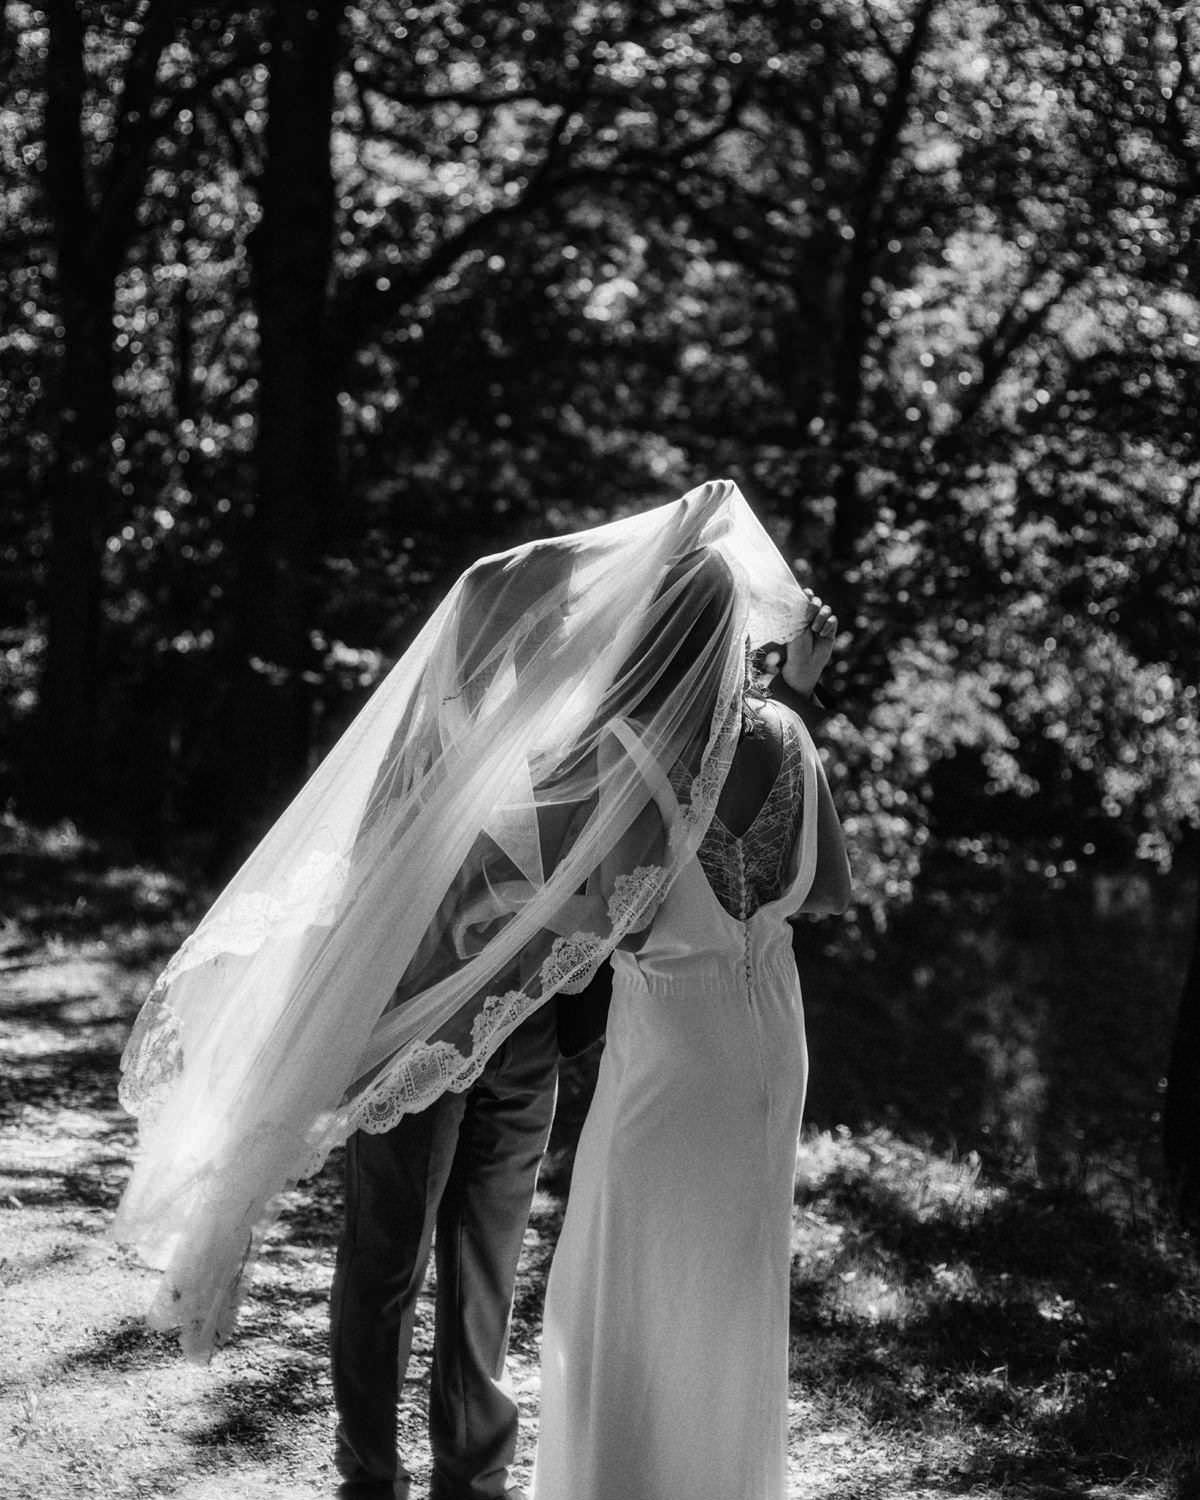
(884,145)
(137,131)
(1014,328)
(66,182)
(881,36)
(215,110)
(472,98)
(1187,154)
(362,303)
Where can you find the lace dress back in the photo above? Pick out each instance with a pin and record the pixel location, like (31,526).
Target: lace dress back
(749,869)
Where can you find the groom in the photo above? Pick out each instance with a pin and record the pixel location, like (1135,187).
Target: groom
(459,1176)
(466,1166)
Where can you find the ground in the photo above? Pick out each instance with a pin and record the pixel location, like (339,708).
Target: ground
(956,1331)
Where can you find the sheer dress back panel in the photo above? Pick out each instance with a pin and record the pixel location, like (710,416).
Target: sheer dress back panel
(748,869)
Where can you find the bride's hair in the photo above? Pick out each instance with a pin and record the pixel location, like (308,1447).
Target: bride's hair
(690,617)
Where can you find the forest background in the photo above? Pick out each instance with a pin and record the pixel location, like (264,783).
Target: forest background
(304,306)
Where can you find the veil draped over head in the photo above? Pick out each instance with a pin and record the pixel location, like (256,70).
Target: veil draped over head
(488,828)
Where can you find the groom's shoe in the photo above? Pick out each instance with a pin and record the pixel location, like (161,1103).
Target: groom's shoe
(513,1492)
(373,1489)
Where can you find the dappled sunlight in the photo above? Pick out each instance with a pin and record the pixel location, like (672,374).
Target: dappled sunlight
(303,308)
(1017,1329)
(955,1328)
(922,1183)
(1010,1041)
(995,1016)
(868,1297)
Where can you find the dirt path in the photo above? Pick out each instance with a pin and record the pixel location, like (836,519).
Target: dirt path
(951,1335)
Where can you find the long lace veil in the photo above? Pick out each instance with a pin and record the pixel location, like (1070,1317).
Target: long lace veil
(487,829)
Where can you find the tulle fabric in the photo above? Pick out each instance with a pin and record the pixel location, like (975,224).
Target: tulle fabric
(482,836)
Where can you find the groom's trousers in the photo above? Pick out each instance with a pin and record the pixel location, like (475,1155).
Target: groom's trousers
(466,1168)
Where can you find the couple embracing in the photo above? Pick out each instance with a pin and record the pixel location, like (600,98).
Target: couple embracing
(574,765)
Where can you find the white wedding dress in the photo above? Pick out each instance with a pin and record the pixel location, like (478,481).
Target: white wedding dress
(665,1346)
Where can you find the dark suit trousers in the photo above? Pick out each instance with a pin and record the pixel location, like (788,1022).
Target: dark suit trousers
(467,1165)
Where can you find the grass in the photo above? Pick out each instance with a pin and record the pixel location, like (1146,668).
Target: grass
(1025,1339)
(965,1322)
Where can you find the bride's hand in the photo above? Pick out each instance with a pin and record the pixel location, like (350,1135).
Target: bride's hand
(809,650)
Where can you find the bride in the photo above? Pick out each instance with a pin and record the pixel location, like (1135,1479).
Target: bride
(665,1348)
(565,766)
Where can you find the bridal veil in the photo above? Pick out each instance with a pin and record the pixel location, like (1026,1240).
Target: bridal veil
(479,839)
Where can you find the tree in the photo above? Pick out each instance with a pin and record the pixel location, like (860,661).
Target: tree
(1181,1113)
(883,264)
(298,479)
(93,202)
(1131,73)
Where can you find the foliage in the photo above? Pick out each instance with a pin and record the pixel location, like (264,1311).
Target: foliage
(922,278)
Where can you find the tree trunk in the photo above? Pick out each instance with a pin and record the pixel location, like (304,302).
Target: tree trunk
(1181,1116)
(93,225)
(292,256)
(850,282)
(64,767)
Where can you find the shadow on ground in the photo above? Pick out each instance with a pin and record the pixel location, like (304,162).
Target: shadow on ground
(1025,1336)
(1063,1344)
